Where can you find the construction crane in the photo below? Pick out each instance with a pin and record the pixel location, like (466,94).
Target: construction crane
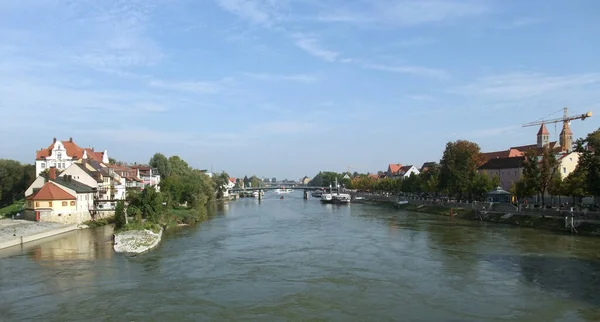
(566,119)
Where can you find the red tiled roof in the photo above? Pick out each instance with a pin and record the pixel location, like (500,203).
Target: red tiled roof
(374,176)
(73,150)
(543,130)
(51,191)
(232,180)
(510,153)
(395,167)
(405,168)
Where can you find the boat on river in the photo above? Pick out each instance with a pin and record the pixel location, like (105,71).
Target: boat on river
(283,190)
(336,198)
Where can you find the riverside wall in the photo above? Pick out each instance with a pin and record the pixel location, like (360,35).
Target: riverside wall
(20,240)
(583,223)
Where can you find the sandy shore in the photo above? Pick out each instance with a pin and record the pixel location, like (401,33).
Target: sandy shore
(14,232)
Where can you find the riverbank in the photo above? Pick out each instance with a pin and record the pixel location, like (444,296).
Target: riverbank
(18,232)
(540,220)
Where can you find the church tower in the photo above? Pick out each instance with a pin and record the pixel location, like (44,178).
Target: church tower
(566,138)
(543,137)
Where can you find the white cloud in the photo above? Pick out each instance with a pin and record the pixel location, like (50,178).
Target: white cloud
(261,12)
(413,70)
(526,85)
(187,86)
(520,22)
(403,12)
(312,47)
(303,78)
(413,42)
(421,98)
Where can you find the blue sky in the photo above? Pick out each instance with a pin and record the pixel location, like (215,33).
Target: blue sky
(288,87)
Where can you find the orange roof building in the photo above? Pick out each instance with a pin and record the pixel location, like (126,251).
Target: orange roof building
(62,154)
(51,196)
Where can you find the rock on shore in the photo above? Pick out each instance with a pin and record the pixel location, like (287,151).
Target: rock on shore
(136,241)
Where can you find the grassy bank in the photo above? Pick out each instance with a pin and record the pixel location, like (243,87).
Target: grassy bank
(9,211)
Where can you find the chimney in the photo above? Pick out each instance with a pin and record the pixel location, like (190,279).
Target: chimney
(71,139)
(52,173)
(54,141)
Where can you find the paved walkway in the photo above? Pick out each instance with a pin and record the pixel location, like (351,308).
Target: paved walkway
(11,231)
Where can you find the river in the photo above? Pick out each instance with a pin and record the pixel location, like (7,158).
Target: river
(299,260)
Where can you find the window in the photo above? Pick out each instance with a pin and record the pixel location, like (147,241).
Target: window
(564,170)
(59,155)
(43,164)
(72,203)
(64,203)
(49,203)
(37,203)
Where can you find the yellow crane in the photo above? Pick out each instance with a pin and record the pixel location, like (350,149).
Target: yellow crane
(565,134)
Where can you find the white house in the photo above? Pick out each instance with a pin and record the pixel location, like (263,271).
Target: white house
(407,170)
(62,154)
(59,199)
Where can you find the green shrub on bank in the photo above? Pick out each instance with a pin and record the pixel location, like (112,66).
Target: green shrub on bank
(9,211)
(99,222)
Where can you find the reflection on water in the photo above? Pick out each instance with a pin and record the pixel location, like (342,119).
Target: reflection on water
(297,259)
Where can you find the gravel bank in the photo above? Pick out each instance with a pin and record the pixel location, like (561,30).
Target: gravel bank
(11,231)
(136,241)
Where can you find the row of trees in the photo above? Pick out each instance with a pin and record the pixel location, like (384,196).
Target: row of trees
(457,176)
(15,178)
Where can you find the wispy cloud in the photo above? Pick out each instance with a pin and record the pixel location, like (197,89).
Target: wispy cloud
(260,12)
(413,42)
(426,98)
(196,87)
(524,85)
(413,70)
(520,22)
(302,78)
(312,47)
(403,12)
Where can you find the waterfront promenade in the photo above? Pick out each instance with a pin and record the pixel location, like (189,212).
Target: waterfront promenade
(17,232)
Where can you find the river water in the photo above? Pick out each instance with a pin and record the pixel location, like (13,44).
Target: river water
(299,260)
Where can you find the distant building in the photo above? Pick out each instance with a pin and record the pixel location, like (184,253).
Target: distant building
(393,169)
(305,180)
(508,170)
(428,166)
(407,170)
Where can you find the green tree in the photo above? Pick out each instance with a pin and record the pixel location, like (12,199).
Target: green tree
(15,178)
(178,166)
(458,167)
(589,161)
(529,183)
(160,162)
(481,184)
(547,168)
(221,181)
(430,180)
(576,183)
(255,182)
(112,161)
(120,216)
(151,205)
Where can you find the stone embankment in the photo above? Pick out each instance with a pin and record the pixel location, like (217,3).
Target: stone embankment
(136,241)
(582,223)
(18,232)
